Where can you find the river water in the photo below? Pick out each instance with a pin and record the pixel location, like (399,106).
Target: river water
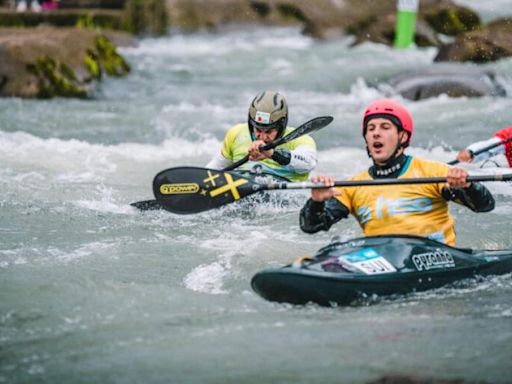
(93,291)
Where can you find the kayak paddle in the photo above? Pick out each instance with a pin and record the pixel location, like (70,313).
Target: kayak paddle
(485,149)
(306,128)
(186,190)
(147,205)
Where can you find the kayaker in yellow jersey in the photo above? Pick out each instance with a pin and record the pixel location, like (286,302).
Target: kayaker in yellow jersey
(415,209)
(268,118)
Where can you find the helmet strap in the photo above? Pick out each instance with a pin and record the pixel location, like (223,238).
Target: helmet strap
(393,168)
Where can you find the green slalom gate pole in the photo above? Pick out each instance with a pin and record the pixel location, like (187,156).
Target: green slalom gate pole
(405,23)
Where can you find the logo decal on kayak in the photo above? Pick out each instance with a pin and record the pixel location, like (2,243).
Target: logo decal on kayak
(433,260)
(178,189)
(230,186)
(368,261)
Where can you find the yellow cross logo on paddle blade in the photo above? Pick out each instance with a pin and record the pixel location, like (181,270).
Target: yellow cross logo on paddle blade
(211,178)
(229,186)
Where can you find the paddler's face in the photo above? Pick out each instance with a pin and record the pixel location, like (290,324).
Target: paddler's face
(382,138)
(266,135)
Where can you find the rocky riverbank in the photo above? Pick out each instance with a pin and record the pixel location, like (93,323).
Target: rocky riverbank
(456,30)
(46,62)
(68,58)
(67,51)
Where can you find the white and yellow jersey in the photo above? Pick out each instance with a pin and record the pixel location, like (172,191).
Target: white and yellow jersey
(416,209)
(303,154)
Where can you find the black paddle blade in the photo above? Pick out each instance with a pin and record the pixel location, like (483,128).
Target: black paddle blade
(306,128)
(310,127)
(185,190)
(147,205)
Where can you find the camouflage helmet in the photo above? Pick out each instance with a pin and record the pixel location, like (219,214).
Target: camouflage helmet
(268,110)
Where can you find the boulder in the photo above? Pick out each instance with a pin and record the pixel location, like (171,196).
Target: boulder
(192,15)
(382,31)
(448,18)
(492,42)
(434,17)
(319,18)
(45,62)
(368,20)
(454,80)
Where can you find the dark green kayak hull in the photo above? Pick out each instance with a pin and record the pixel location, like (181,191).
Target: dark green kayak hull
(413,264)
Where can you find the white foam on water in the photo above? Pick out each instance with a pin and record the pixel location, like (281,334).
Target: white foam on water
(220,44)
(437,153)
(464,287)
(83,251)
(297,42)
(50,162)
(209,278)
(345,161)
(363,94)
(105,202)
(24,147)
(218,116)
(30,255)
(204,106)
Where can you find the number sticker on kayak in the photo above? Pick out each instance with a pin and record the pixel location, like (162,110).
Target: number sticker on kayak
(368,261)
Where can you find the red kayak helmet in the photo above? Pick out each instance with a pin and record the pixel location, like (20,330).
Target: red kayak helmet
(392,110)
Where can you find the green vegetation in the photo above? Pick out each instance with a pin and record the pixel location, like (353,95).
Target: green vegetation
(93,65)
(55,79)
(453,21)
(113,63)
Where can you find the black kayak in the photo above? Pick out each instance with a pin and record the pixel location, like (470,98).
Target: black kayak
(344,272)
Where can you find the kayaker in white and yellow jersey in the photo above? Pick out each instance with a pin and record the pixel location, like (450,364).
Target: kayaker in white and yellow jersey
(268,118)
(415,209)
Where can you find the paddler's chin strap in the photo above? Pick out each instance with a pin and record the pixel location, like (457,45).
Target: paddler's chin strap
(393,166)
(391,170)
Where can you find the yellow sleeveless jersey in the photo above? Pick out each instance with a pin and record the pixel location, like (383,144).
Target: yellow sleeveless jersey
(411,209)
(237,142)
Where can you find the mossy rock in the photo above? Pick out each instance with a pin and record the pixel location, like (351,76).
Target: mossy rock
(113,63)
(55,79)
(48,62)
(490,43)
(93,65)
(453,21)
(289,11)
